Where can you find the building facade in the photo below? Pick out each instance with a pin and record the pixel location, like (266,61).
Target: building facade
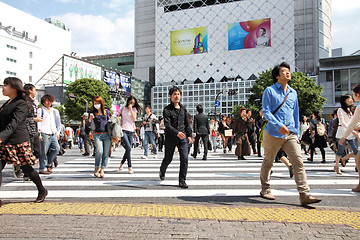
(28,45)
(297,31)
(338,75)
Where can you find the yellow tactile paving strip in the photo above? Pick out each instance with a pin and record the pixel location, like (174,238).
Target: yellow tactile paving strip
(250,214)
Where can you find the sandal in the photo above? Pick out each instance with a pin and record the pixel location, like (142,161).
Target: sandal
(357,189)
(337,170)
(102,175)
(343,162)
(96,172)
(131,171)
(121,167)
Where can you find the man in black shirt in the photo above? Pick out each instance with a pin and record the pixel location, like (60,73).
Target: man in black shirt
(177,134)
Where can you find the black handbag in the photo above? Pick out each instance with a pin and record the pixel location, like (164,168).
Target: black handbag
(306,138)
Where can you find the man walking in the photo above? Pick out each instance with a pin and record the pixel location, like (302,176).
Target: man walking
(49,133)
(150,124)
(280,108)
(201,129)
(177,134)
(258,123)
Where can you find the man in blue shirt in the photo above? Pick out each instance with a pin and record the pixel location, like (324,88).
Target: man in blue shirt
(281,132)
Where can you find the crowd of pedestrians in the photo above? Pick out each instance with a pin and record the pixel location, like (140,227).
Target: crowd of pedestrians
(28,133)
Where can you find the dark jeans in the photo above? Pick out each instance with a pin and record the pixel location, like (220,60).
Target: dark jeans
(169,153)
(161,141)
(127,142)
(252,141)
(205,140)
(258,143)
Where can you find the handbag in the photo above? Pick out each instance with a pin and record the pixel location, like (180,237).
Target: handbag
(228,133)
(263,125)
(306,138)
(213,134)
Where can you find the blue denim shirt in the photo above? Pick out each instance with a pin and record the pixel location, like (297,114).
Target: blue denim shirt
(287,115)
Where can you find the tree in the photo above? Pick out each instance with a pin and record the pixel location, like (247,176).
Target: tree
(309,94)
(87,89)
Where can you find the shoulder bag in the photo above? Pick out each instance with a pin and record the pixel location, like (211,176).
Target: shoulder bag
(261,134)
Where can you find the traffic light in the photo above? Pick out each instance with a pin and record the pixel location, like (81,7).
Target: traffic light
(232,92)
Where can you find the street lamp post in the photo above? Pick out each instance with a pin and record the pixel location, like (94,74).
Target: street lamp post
(72,97)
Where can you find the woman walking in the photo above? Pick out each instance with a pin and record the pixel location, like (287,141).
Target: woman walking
(15,147)
(222,127)
(345,114)
(102,140)
(318,133)
(128,116)
(213,133)
(304,126)
(350,131)
(241,127)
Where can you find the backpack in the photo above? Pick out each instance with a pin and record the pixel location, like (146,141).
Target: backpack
(320,128)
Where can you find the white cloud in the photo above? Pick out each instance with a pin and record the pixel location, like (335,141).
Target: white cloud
(117,3)
(94,35)
(346,25)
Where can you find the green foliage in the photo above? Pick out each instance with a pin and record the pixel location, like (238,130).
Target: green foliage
(309,94)
(87,89)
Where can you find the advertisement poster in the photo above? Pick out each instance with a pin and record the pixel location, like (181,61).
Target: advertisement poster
(249,34)
(125,82)
(110,79)
(188,41)
(117,81)
(76,69)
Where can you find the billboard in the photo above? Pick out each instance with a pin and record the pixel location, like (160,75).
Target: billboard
(249,34)
(188,41)
(116,81)
(76,69)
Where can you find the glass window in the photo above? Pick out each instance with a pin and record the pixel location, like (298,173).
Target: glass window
(30,54)
(354,76)
(329,76)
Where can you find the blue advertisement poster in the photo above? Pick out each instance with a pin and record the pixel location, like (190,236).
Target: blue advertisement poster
(125,82)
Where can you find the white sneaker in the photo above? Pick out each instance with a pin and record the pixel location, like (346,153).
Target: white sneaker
(144,157)
(155,155)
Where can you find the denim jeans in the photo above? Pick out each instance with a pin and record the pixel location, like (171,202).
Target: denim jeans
(127,142)
(149,136)
(213,143)
(48,142)
(103,144)
(341,148)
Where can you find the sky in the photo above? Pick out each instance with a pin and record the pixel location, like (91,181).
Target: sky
(107,26)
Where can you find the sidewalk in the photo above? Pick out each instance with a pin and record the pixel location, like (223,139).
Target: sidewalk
(66,220)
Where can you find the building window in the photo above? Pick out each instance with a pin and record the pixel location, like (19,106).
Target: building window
(30,78)
(30,54)
(11,60)
(11,47)
(11,73)
(30,66)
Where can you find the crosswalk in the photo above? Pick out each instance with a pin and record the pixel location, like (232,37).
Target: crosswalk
(220,176)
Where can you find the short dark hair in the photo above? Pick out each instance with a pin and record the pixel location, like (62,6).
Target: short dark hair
(276,70)
(48,97)
(174,89)
(199,108)
(27,88)
(148,106)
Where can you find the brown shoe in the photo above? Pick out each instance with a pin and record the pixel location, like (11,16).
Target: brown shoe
(50,170)
(357,189)
(267,194)
(306,199)
(45,172)
(41,197)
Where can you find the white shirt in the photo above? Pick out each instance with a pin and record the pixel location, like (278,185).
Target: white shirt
(70,137)
(353,123)
(48,124)
(344,120)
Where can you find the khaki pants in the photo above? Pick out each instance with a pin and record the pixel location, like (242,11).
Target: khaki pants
(291,146)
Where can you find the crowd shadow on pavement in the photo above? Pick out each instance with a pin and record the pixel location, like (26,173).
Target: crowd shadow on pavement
(246,201)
